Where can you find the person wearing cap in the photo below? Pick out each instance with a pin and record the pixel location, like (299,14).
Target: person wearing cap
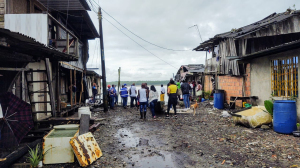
(112,93)
(108,97)
(124,95)
(94,91)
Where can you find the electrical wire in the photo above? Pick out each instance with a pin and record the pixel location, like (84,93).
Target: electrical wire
(138,35)
(139,44)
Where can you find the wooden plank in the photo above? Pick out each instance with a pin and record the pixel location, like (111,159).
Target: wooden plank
(81,88)
(14,156)
(58,89)
(94,127)
(47,64)
(67,44)
(71,92)
(76,87)
(23,86)
(84,124)
(13,69)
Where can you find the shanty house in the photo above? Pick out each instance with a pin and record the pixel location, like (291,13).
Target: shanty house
(93,77)
(60,28)
(260,59)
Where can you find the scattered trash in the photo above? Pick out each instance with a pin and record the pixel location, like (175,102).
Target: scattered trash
(254,117)
(211,103)
(225,114)
(296,133)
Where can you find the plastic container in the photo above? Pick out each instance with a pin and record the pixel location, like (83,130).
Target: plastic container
(84,110)
(202,99)
(284,116)
(219,100)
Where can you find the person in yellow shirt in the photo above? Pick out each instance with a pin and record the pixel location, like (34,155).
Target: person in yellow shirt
(172,92)
(162,93)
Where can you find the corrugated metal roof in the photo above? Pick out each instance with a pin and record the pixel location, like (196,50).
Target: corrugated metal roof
(64,5)
(93,73)
(236,33)
(26,45)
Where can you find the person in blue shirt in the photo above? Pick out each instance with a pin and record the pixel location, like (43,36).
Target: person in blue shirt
(116,95)
(124,95)
(112,94)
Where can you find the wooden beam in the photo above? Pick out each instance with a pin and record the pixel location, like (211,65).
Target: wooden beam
(58,89)
(23,87)
(13,69)
(67,44)
(84,124)
(81,91)
(71,90)
(15,155)
(76,87)
(51,93)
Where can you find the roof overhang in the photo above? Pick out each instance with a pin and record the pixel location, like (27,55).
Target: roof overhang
(273,50)
(18,47)
(81,22)
(93,73)
(63,5)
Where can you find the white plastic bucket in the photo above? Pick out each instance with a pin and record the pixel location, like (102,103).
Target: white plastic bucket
(84,110)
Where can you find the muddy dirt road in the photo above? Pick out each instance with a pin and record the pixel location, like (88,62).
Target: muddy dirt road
(204,140)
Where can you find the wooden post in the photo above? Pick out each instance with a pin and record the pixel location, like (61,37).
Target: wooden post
(71,91)
(67,43)
(58,89)
(23,86)
(76,86)
(50,87)
(76,47)
(81,91)
(105,93)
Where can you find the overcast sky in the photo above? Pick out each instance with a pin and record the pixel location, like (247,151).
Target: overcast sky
(166,23)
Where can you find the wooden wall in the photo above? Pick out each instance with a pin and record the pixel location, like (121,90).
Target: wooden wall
(2,12)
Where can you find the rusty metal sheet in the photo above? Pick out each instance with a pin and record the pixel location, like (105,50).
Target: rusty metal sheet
(86,149)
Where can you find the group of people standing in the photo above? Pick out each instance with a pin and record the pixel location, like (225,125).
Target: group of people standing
(148,97)
(144,97)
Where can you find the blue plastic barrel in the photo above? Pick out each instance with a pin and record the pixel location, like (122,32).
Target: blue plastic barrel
(284,116)
(219,100)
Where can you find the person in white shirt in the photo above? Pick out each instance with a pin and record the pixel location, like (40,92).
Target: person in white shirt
(132,93)
(191,91)
(143,94)
(153,96)
(162,93)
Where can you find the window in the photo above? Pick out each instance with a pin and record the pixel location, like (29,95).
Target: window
(284,78)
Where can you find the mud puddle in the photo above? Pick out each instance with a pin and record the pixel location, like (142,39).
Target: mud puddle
(126,138)
(143,152)
(153,160)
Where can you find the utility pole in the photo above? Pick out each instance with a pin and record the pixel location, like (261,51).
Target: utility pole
(102,62)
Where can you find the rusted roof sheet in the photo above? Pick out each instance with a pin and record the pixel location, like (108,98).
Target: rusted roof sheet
(86,149)
(236,33)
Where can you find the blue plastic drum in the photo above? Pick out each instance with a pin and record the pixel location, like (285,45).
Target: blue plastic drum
(219,100)
(284,116)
